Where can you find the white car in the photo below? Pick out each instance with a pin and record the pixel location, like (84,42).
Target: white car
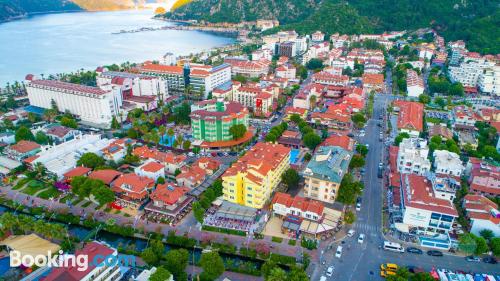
(351,232)
(358,207)
(329,271)
(338,253)
(361,238)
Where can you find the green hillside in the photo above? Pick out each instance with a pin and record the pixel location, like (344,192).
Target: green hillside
(10,9)
(476,21)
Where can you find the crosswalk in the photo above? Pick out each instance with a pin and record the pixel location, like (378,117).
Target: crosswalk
(362,227)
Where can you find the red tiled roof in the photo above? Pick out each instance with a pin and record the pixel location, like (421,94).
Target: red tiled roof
(339,140)
(107,176)
(58,131)
(410,115)
(133,185)
(152,167)
(298,202)
(168,193)
(78,171)
(73,273)
(24,146)
(162,68)
(422,196)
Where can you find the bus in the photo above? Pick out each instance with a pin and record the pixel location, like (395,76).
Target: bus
(395,247)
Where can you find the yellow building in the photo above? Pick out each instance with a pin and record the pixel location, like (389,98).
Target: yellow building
(251,180)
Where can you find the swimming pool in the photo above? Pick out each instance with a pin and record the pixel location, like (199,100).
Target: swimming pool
(4,265)
(294,155)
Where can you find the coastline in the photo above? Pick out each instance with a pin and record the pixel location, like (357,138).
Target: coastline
(28,15)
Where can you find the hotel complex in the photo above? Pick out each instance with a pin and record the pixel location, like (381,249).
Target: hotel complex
(252,179)
(211,120)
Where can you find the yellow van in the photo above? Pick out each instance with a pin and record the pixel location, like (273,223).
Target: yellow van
(389,267)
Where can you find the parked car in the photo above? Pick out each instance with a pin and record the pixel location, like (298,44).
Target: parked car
(472,259)
(358,207)
(414,250)
(338,253)
(329,271)
(351,232)
(435,253)
(361,238)
(490,260)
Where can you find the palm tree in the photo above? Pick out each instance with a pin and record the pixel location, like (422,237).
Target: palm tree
(180,140)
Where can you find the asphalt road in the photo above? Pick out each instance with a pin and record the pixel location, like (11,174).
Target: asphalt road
(360,262)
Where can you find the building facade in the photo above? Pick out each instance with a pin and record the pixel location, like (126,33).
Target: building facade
(324,173)
(252,179)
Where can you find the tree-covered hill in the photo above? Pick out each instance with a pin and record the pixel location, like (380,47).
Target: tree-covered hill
(10,9)
(286,11)
(475,21)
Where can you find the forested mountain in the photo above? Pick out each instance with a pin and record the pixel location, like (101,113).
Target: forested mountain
(286,11)
(10,9)
(475,21)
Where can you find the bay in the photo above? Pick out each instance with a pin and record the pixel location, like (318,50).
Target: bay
(66,42)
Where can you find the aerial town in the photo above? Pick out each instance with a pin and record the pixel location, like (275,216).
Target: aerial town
(282,157)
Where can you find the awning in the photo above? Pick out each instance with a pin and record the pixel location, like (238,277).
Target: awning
(30,245)
(403,227)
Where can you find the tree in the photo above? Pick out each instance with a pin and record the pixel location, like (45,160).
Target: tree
(237,131)
(115,125)
(399,138)
(149,256)
(161,274)
(349,190)
(481,245)
(358,119)
(357,161)
(308,156)
(425,99)
(23,133)
(198,211)
(240,78)
(103,194)
(271,137)
(467,243)
(212,264)
(440,101)
(267,267)
(349,217)
(186,145)
(456,89)
(295,118)
(314,64)
(297,274)
(290,178)
(487,234)
(160,180)
(90,160)
(362,149)
(495,246)
(311,140)
(41,138)
(69,122)
(176,263)
(277,274)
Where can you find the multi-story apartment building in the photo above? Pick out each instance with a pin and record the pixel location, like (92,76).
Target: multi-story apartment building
(448,163)
(483,214)
(414,83)
(200,78)
(325,78)
(252,179)
(256,98)
(211,120)
(424,214)
(489,80)
(468,72)
(287,49)
(325,171)
(412,156)
(247,68)
(92,105)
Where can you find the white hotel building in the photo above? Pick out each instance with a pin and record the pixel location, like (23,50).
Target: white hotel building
(92,105)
